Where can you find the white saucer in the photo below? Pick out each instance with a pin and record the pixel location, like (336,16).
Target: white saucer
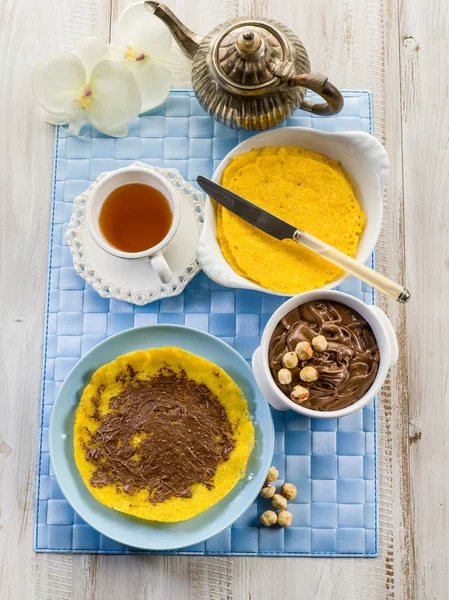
(135,280)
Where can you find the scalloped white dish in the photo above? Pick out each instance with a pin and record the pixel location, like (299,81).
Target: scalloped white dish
(365,162)
(135,281)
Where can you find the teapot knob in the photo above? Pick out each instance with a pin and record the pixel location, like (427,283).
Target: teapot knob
(250,45)
(248,36)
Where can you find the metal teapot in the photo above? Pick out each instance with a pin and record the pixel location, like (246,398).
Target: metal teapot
(250,74)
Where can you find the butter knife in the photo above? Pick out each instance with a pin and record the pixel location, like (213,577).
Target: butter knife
(282,230)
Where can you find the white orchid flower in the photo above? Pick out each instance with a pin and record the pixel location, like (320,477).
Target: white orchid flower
(85,87)
(145,49)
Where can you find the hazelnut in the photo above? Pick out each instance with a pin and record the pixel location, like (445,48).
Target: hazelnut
(299,394)
(284,377)
(273,474)
(308,374)
(319,343)
(279,501)
(304,350)
(268,518)
(290,360)
(284,518)
(267,491)
(288,490)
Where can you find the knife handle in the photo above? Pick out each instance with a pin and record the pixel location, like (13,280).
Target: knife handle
(352,266)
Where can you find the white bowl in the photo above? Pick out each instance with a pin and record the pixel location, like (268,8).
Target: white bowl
(383,332)
(365,162)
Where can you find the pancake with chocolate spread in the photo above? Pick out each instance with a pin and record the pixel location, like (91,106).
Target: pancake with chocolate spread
(162,434)
(345,369)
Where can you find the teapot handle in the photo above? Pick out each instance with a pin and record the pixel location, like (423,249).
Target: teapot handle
(323,87)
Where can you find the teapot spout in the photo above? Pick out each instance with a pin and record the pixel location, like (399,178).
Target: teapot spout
(185,38)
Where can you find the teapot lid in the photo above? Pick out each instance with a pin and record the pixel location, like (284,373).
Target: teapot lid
(251,55)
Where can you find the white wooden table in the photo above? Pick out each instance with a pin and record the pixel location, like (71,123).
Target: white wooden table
(399,50)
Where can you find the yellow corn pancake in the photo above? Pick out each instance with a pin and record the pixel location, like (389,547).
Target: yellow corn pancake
(307,189)
(225,246)
(162,434)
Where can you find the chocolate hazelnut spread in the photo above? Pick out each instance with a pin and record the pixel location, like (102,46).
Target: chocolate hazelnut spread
(346,368)
(162,435)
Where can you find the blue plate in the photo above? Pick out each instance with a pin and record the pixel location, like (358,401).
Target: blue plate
(129,530)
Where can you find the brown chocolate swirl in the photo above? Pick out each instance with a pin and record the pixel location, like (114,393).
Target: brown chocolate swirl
(346,369)
(162,435)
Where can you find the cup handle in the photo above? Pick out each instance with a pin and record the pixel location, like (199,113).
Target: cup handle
(161,267)
(389,330)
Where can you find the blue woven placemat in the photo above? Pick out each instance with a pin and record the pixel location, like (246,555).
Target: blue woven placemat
(332,462)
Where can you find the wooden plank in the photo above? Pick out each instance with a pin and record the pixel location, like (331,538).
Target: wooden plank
(424,31)
(30,31)
(26,148)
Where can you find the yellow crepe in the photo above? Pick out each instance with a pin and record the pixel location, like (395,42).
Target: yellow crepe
(225,246)
(307,189)
(112,378)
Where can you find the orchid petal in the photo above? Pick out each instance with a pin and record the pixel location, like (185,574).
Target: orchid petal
(57,80)
(77,118)
(144,31)
(91,52)
(115,98)
(153,79)
(117,53)
(177,63)
(121,131)
(55,119)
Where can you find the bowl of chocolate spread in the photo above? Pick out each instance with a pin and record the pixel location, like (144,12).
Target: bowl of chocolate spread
(324,354)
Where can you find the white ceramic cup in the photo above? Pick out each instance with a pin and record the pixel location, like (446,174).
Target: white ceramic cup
(124,176)
(383,332)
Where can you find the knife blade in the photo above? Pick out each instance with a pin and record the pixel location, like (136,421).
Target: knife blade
(248,211)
